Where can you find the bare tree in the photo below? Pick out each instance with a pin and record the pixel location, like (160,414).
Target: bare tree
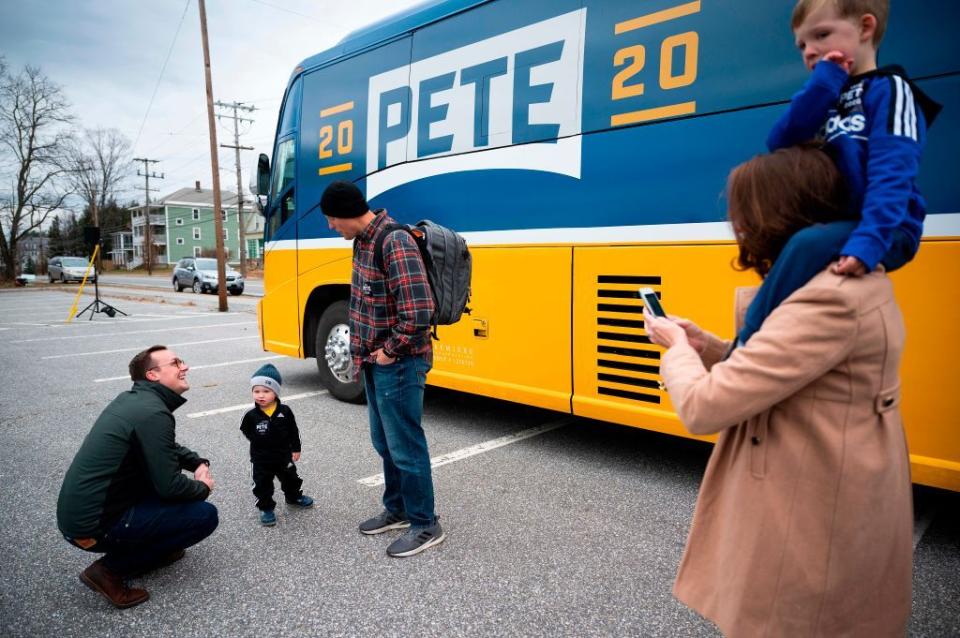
(34,139)
(97,163)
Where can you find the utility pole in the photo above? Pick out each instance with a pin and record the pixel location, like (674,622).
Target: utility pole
(96,223)
(148,231)
(238,106)
(214,163)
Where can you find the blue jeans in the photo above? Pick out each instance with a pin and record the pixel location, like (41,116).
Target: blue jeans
(151,530)
(395,403)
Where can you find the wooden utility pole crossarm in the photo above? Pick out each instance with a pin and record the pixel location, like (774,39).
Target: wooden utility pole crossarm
(239,106)
(214,163)
(148,229)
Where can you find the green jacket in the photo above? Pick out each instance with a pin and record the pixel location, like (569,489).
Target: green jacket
(130,454)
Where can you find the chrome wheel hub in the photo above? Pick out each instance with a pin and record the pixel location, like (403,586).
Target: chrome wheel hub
(337,353)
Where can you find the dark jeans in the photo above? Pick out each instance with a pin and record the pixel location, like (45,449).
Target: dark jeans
(395,404)
(151,530)
(807,253)
(263,474)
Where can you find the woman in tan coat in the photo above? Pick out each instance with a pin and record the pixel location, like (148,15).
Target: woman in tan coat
(803,525)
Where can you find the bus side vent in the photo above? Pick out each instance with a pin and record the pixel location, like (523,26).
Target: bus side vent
(628,365)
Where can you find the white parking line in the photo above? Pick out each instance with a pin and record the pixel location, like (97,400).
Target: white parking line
(85,322)
(138,332)
(479,448)
(246,406)
(201,367)
(137,349)
(21,323)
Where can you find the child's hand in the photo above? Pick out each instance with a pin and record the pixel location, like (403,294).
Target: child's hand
(849,265)
(296,457)
(838,58)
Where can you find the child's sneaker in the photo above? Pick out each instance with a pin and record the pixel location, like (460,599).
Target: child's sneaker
(303,502)
(268,518)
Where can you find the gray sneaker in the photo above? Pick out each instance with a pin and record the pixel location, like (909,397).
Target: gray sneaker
(415,540)
(384,522)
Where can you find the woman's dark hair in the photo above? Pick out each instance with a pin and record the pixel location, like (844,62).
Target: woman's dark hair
(772,196)
(143,361)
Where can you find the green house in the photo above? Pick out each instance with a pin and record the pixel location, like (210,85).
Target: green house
(191,230)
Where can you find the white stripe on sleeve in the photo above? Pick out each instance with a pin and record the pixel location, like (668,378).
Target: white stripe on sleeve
(898,107)
(911,112)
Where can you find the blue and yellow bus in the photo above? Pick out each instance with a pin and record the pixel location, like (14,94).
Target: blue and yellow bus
(582,148)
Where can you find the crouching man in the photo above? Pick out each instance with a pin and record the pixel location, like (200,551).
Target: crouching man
(124,495)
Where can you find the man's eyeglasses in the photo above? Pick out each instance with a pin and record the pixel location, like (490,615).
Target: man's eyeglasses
(180,363)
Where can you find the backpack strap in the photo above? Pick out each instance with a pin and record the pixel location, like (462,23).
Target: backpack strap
(419,237)
(378,246)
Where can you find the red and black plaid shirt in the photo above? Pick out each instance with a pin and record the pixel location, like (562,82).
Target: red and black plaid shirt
(390,311)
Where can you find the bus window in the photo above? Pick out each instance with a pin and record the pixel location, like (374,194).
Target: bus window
(281,191)
(291,110)
(284,169)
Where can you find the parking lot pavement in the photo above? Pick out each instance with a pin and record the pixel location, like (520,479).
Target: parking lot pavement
(574,532)
(163,280)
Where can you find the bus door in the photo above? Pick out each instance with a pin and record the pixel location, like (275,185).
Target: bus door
(280,319)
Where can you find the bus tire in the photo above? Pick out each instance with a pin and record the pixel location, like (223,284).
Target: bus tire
(332,346)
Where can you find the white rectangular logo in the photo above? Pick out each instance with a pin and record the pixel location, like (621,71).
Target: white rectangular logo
(499,94)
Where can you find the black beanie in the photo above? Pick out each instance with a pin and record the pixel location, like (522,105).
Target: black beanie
(343,199)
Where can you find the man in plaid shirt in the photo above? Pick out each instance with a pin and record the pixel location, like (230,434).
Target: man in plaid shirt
(390,318)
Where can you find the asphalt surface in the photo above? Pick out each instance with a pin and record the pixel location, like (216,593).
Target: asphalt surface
(575,532)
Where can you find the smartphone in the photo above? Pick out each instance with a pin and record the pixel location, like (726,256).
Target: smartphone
(651,302)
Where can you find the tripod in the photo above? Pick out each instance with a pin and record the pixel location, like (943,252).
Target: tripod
(96,305)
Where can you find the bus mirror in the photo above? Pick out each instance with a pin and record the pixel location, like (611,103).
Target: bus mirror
(263,175)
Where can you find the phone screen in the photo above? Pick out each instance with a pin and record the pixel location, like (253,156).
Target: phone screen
(653,304)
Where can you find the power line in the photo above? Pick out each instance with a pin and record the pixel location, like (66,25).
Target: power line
(302,15)
(162,70)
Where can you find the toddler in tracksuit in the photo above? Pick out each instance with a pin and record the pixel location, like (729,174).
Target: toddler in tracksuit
(873,122)
(274,445)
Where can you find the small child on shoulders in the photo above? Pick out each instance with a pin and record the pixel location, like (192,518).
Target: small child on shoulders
(873,122)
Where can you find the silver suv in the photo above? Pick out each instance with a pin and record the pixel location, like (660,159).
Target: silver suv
(200,274)
(64,269)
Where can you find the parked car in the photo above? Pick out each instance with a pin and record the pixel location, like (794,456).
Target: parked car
(64,269)
(200,274)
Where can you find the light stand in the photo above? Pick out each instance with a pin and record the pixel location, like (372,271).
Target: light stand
(97,305)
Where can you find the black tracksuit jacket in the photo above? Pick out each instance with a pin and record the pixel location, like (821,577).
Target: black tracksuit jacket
(272,438)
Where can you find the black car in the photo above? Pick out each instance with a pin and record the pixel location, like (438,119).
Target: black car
(200,274)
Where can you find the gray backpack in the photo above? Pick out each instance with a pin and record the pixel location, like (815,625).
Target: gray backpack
(448,263)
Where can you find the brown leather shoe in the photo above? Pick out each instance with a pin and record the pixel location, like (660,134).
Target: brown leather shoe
(111,586)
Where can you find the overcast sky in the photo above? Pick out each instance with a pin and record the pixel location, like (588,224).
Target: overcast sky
(108,56)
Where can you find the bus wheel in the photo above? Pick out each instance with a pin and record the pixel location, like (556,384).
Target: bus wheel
(333,354)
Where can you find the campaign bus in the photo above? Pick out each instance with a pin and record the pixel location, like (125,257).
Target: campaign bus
(582,148)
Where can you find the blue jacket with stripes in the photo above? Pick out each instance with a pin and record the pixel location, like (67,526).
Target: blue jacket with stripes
(875,126)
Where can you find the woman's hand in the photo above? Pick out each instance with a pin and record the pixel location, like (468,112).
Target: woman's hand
(695,334)
(665,332)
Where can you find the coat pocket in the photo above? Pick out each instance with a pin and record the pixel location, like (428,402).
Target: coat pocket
(886,404)
(757,432)
(887,399)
